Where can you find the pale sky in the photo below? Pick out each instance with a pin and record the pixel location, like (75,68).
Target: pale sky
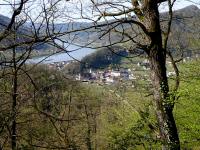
(183,3)
(73,4)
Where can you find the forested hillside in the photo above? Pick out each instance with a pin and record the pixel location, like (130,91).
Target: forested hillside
(138,90)
(63,113)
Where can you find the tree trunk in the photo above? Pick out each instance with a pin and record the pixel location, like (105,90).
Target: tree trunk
(157,58)
(13,128)
(163,105)
(14,105)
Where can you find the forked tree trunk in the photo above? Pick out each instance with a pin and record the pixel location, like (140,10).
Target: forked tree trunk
(157,58)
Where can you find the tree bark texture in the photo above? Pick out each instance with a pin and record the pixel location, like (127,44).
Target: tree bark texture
(14,105)
(157,59)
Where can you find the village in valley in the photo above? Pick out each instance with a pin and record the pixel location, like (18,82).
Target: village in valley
(109,75)
(138,71)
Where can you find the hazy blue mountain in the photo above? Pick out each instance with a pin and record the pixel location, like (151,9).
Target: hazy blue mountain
(184,36)
(23,34)
(185,26)
(185,22)
(3,21)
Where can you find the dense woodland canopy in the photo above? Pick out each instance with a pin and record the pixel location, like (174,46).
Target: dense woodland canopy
(42,107)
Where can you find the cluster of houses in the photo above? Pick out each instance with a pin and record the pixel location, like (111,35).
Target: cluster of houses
(108,76)
(111,76)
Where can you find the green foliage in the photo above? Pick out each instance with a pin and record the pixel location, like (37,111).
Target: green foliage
(53,113)
(104,57)
(137,136)
(59,113)
(187,108)
(142,133)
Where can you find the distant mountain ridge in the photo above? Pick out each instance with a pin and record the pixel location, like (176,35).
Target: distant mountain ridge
(185,20)
(184,36)
(186,23)
(4,21)
(23,34)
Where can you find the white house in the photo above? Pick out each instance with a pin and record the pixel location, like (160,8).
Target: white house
(115,74)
